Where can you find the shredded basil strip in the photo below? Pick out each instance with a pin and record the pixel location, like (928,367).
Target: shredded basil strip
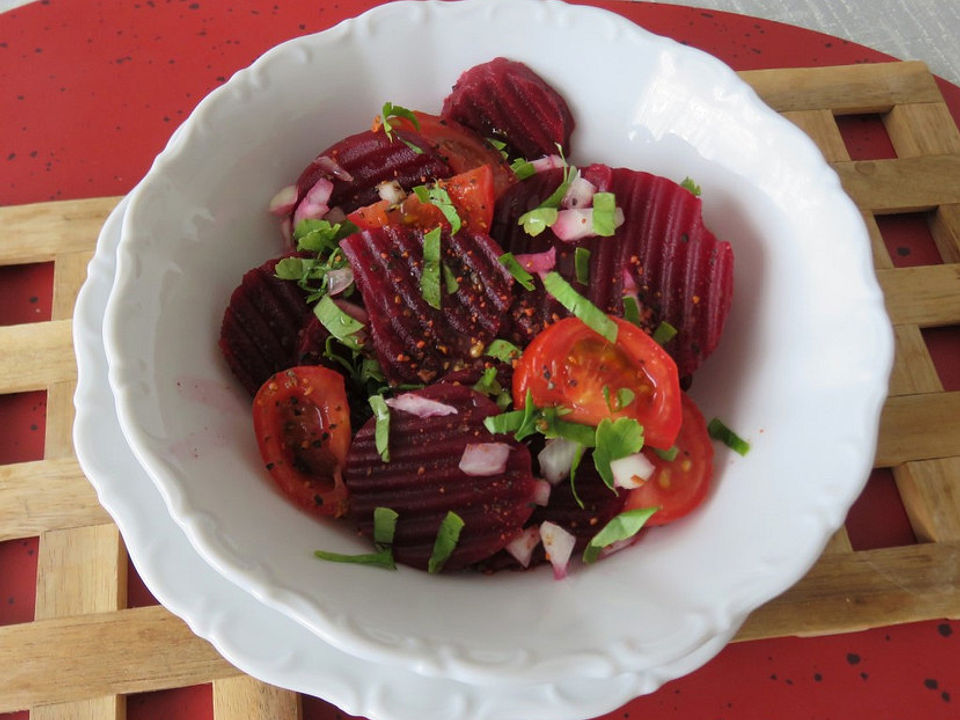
(622,527)
(523,168)
(719,431)
(615,439)
(449,279)
(668,455)
(690,185)
(337,322)
(591,316)
(517,270)
(528,422)
(504,422)
(581,265)
(537,220)
(604,214)
(430,276)
(664,333)
(446,541)
(384,525)
(381,432)
(631,310)
(503,350)
(440,198)
(390,110)
(380,558)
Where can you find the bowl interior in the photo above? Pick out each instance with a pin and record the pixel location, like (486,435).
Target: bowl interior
(198,222)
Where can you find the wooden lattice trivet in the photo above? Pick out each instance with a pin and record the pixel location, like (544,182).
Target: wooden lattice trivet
(85,650)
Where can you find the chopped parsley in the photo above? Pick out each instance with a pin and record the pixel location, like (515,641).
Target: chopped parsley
(690,185)
(337,322)
(437,196)
(719,431)
(390,110)
(604,214)
(430,275)
(384,526)
(523,168)
(448,535)
(615,439)
(381,433)
(591,316)
(664,333)
(581,265)
(517,270)
(622,527)
(503,350)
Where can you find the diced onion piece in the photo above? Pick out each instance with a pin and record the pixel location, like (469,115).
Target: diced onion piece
(541,493)
(522,546)
(353,310)
(331,166)
(420,406)
(339,280)
(282,203)
(579,193)
(559,546)
(484,459)
(314,205)
(631,471)
(556,459)
(336,215)
(548,162)
(391,191)
(629,284)
(574,224)
(618,546)
(541,262)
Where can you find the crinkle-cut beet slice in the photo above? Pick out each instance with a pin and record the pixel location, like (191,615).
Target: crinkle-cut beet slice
(472,373)
(370,158)
(422,481)
(415,342)
(507,100)
(261,325)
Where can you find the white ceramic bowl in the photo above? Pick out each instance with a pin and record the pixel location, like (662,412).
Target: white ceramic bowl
(801,380)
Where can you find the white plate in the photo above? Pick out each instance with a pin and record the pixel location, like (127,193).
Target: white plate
(801,371)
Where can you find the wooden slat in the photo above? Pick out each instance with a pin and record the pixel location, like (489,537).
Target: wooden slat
(878,248)
(902,185)
(821,126)
(945,229)
(68,659)
(41,231)
(845,592)
(928,296)
(839,542)
(44,495)
(846,90)
(243,698)
(113,707)
(69,273)
(58,434)
(913,368)
(930,491)
(36,355)
(919,427)
(918,129)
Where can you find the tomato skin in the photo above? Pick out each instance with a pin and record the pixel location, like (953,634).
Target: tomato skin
(302,423)
(568,365)
(678,486)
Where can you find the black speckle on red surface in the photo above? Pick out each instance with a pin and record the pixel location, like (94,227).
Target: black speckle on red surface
(853,658)
(931,684)
(817,677)
(944,629)
(945,696)
(18,580)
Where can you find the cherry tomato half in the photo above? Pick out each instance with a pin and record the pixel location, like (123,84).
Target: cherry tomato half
(570,365)
(471,193)
(302,423)
(677,486)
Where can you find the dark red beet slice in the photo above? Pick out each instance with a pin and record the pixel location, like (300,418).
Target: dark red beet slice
(422,481)
(371,158)
(415,342)
(505,99)
(261,326)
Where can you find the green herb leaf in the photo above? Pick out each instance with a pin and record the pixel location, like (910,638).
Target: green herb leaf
(517,270)
(320,235)
(615,439)
(446,541)
(528,423)
(631,310)
(523,168)
(664,333)
(290,268)
(668,455)
(604,214)
(591,316)
(499,145)
(416,148)
(487,384)
(381,432)
(502,350)
(577,457)
(384,525)
(430,276)
(435,195)
(625,396)
(581,265)
(690,185)
(504,422)
(622,527)
(449,279)
(719,431)
(381,558)
(537,220)
(390,110)
(337,322)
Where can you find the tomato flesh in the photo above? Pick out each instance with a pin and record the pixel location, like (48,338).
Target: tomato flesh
(302,423)
(678,486)
(569,365)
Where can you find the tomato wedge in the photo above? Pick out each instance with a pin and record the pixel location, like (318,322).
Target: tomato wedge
(571,366)
(678,486)
(461,147)
(470,192)
(302,423)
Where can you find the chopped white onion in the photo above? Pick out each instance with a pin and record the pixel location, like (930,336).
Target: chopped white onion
(618,546)
(339,280)
(579,193)
(556,459)
(541,262)
(541,493)
(631,471)
(286,232)
(574,224)
(420,406)
(314,204)
(629,284)
(484,459)
(331,166)
(522,546)
(559,546)
(282,203)
(548,162)
(391,191)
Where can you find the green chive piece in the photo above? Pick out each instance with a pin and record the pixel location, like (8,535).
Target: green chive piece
(449,279)
(604,214)
(517,270)
(390,110)
(581,265)
(381,432)
(668,455)
(528,423)
(591,316)
(690,185)
(537,220)
(631,310)
(487,384)
(504,422)
(416,148)
(384,525)
(503,350)
(574,465)
(623,527)
(381,558)
(337,322)
(719,431)
(615,439)
(664,333)
(446,542)
(500,146)
(523,168)
(430,276)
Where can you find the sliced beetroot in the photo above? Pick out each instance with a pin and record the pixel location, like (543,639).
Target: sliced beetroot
(422,480)
(261,326)
(506,100)
(414,342)
(367,159)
